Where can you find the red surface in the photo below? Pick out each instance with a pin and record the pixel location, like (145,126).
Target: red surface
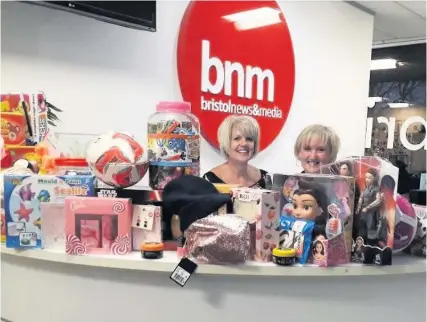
(268,47)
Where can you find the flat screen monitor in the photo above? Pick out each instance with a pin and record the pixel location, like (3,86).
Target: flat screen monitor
(132,14)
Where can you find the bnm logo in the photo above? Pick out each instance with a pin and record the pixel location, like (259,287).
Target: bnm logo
(225,70)
(245,77)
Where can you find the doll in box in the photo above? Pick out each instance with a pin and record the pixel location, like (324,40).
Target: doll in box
(371,225)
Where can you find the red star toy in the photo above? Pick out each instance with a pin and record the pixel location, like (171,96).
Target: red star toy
(23,212)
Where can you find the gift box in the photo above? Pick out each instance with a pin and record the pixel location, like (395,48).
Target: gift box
(23,195)
(143,196)
(328,200)
(98,226)
(329,252)
(375,203)
(53,225)
(261,208)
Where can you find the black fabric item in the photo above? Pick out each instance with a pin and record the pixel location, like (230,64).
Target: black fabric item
(192,198)
(261,183)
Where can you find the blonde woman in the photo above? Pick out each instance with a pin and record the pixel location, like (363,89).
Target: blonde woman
(238,138)
(315,146)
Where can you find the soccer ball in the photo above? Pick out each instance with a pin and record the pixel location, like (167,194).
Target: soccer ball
(406,224)
(117,159)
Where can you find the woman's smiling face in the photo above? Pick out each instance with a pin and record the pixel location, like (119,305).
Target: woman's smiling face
(313,154)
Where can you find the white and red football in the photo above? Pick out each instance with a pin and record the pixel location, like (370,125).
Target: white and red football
(117,159)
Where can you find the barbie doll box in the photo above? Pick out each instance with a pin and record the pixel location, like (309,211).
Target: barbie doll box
(327,200)
(23,196)
(376,225)
(98,226)
(262,209)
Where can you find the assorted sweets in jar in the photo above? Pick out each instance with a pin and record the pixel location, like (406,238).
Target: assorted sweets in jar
(173,143)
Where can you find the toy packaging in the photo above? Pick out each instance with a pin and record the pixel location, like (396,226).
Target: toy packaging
(35,104)
(328,200)
(13,128)
(53,225)
(23,195)
(261,208)
(146,225)
(375,206)
(296,234)
(98,226)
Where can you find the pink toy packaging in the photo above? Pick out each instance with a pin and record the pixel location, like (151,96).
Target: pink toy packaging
(146,225)
(326,200)
(262,209)
(53,228)
(98,226)
(375,206)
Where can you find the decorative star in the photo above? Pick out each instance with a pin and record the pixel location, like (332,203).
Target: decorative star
(23,212)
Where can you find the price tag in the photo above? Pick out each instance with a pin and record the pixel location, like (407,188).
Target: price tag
(183,271)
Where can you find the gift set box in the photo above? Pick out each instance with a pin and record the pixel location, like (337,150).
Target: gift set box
(23,196)
(262,209)
(375,206)
(145,202)
(98,226)
(328,200)
(53,225)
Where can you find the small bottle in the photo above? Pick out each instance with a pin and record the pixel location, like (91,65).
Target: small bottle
(173,143)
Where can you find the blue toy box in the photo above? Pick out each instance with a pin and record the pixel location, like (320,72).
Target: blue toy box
(23,195)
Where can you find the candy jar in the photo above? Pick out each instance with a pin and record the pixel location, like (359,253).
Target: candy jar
(173,143)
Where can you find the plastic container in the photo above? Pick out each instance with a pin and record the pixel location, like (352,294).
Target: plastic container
(284,257)
(152,250)
(173,143)
(71,166)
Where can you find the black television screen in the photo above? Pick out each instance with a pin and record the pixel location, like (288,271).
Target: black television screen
(132,14)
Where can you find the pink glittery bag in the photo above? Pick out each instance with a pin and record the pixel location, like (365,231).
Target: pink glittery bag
(219,239)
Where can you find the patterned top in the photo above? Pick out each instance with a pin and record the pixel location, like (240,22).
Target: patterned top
(213,178)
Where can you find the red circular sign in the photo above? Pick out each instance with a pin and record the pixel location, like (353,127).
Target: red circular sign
(236,57)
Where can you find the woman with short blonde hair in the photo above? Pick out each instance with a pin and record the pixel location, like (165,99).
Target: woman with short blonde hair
(315,146)
(238,137)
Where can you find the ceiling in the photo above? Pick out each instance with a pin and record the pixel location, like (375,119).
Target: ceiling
(396,22)
(413,68)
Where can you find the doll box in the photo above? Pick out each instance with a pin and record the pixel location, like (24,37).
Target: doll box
(98,226)
(262,209)
(333,196)
(375,219)
(23,195)
(330,252)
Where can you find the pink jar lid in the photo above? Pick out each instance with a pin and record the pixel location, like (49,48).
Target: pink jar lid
(178,107)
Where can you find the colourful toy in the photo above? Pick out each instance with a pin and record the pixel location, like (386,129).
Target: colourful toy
(375,204)
(98,225)
(406,224)
(117,159)
(13,128)
(326,200)
(262,209)
(23,195)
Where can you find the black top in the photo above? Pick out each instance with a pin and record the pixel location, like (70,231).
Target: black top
(213,178)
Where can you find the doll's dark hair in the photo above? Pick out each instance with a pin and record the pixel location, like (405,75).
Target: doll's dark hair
(348,164)
(374,173)
(322,252)
(322,201)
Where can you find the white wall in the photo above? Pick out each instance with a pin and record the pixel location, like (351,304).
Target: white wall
(109,77)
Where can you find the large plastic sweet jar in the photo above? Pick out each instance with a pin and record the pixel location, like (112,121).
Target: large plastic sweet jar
(173,143)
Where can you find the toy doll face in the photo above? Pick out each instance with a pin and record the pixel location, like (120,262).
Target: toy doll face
(359,242)
(313,154)
(305,207)
(369,179)
(319,248)
(241,147)
(344,170)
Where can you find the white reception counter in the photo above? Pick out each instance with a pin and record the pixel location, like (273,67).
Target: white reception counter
(48,286)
